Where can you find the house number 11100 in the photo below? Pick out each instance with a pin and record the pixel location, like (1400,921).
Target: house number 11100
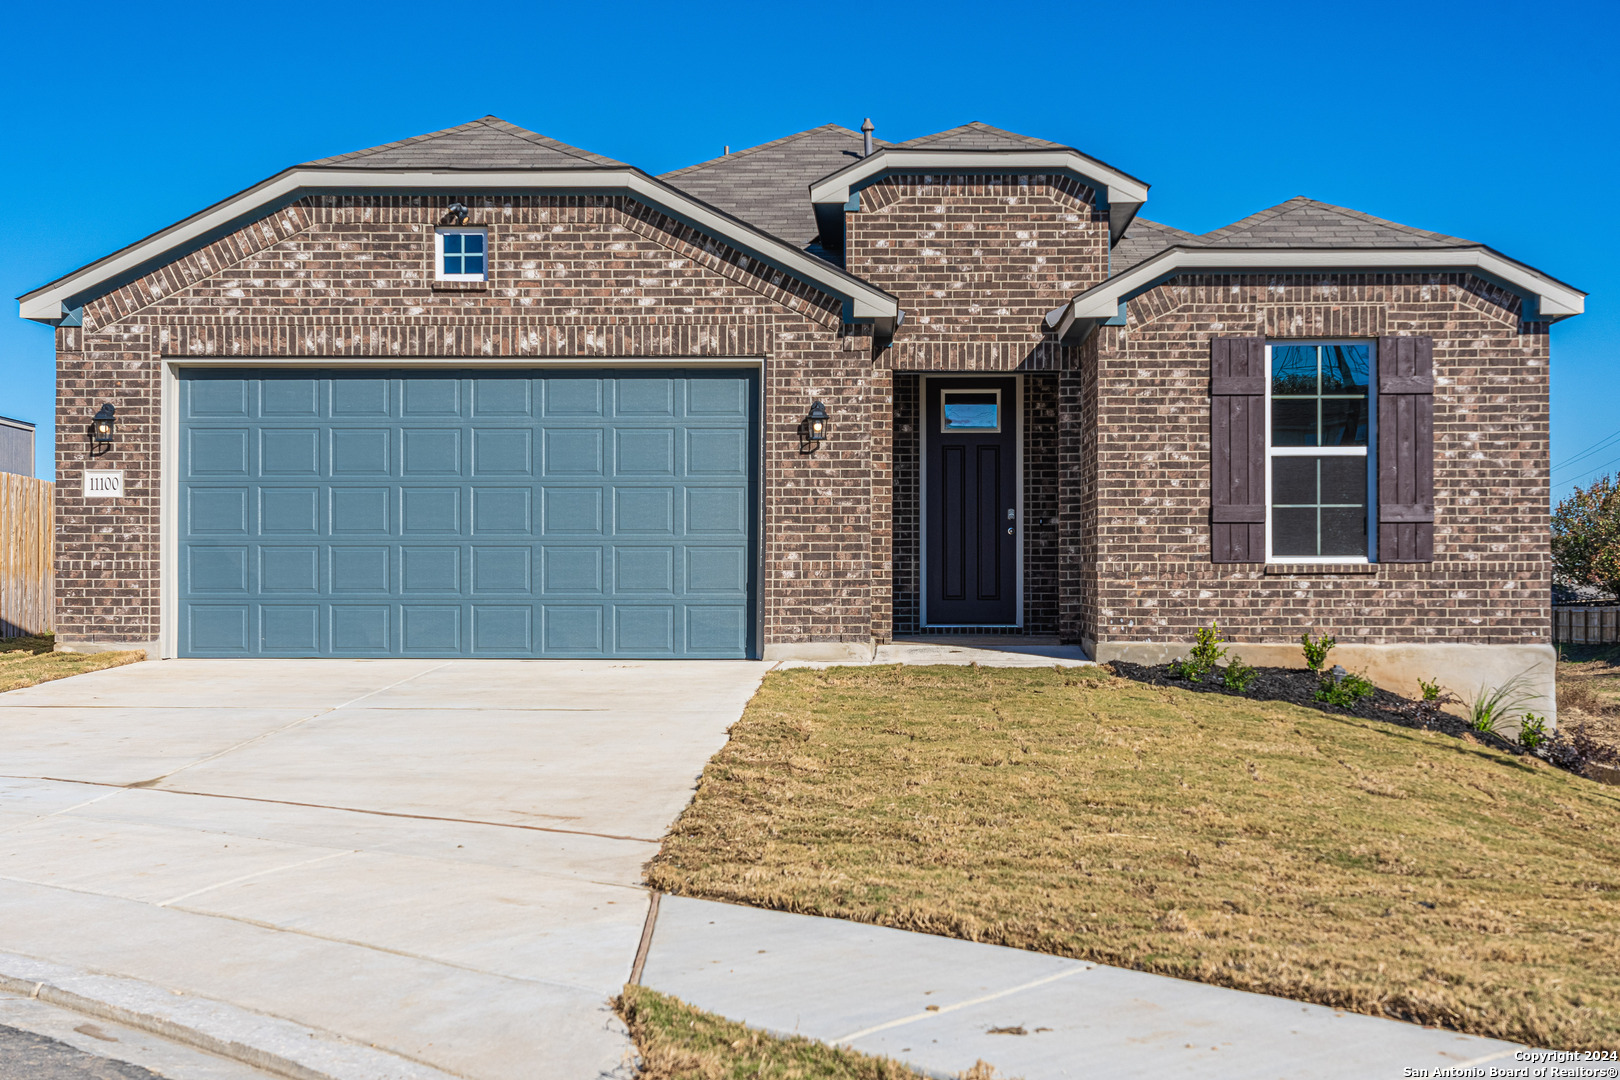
(103,484)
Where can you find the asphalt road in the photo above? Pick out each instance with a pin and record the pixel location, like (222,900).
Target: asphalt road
(26,1056)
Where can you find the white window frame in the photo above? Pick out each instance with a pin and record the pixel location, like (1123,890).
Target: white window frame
(1370,451)
(438,252)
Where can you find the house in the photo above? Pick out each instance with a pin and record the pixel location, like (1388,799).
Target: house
(480,393)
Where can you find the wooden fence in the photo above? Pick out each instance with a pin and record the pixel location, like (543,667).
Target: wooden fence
(26,535)
(1587,625)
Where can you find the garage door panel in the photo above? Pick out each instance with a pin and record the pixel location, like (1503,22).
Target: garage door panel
(289,452)
(213,511)
(356,511)
(571,570)
(361,629)
(219,452)
(571,511)
(503,629)
(572,630)
(290,628)
(289,568)
(360,569)
(360,396)
(290,396)
(430,570)
(431,451)
(502,510)
(536,513)
(502,570)
(211,397)
(574,453)
(361,451)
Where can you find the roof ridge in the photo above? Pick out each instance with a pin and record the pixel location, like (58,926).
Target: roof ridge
(980,125)
(492,123)
(1362,215)
(545,141)
(783,141)
(424,137)
(1256,218)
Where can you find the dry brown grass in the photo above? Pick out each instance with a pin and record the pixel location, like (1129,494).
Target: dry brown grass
(1589,693)
(1261,846)
(28,661)
(678,1042)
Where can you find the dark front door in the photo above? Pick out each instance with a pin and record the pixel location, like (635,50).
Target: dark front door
(970,534)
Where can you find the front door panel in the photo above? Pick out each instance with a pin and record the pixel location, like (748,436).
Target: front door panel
(970,534)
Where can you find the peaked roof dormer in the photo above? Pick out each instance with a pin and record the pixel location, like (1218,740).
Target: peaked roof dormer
(973,148)
(485,143)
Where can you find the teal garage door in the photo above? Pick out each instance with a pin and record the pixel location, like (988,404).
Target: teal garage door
(588,513)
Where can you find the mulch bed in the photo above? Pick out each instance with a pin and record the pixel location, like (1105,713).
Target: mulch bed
(1298,686)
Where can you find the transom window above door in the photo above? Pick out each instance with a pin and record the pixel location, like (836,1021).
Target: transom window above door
(461,254)
(970,410)
(1318,460)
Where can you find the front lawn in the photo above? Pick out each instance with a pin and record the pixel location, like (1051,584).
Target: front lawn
(1258,845)
(678,1042)
(27,661)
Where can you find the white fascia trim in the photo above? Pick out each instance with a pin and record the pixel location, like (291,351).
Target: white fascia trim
(45,304)
(1555,298)
(1120,187)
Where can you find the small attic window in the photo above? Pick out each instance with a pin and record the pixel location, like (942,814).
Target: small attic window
(461,254)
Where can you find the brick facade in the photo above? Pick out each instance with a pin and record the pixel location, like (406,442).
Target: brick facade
(1116,430)
(1490,582)
(349,278)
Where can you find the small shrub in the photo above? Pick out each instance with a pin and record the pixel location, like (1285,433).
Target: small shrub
(1316,652)
(1435,697)
(1206,654)
(1239,676)
(1345,692)
(1533,731)
(1492,707)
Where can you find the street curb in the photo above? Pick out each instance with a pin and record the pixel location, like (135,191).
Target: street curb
(264,1042)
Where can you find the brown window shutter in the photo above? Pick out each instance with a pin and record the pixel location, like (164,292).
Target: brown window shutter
(1405,449)
(1237,449)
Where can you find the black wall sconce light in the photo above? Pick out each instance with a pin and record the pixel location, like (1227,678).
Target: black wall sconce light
(101,427)
(815,422)
(813,428)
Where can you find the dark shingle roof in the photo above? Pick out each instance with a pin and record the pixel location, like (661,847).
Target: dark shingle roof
(489,143)
(768,185)
(1144,239)
(977,136)
(1302,222)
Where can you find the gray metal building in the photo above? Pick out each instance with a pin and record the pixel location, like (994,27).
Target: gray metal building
(16,446)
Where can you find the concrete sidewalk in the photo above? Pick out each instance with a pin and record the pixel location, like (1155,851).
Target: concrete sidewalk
(364,869)
(939,1005)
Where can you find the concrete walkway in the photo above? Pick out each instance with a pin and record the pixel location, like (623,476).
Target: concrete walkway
(940,1005)
(365,869)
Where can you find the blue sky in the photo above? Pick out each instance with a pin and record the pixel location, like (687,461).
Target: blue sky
(1494,122)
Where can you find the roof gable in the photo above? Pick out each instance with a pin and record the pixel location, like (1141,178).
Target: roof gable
(978,136)
(486,143)
(766,185)
(1302,222)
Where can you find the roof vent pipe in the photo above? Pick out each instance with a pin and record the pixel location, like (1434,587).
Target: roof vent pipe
(866,137)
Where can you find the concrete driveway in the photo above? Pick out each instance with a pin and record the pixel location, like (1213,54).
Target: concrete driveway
(395,868)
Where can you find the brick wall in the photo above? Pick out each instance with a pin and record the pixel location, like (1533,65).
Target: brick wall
(588,277)
(1490,581)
